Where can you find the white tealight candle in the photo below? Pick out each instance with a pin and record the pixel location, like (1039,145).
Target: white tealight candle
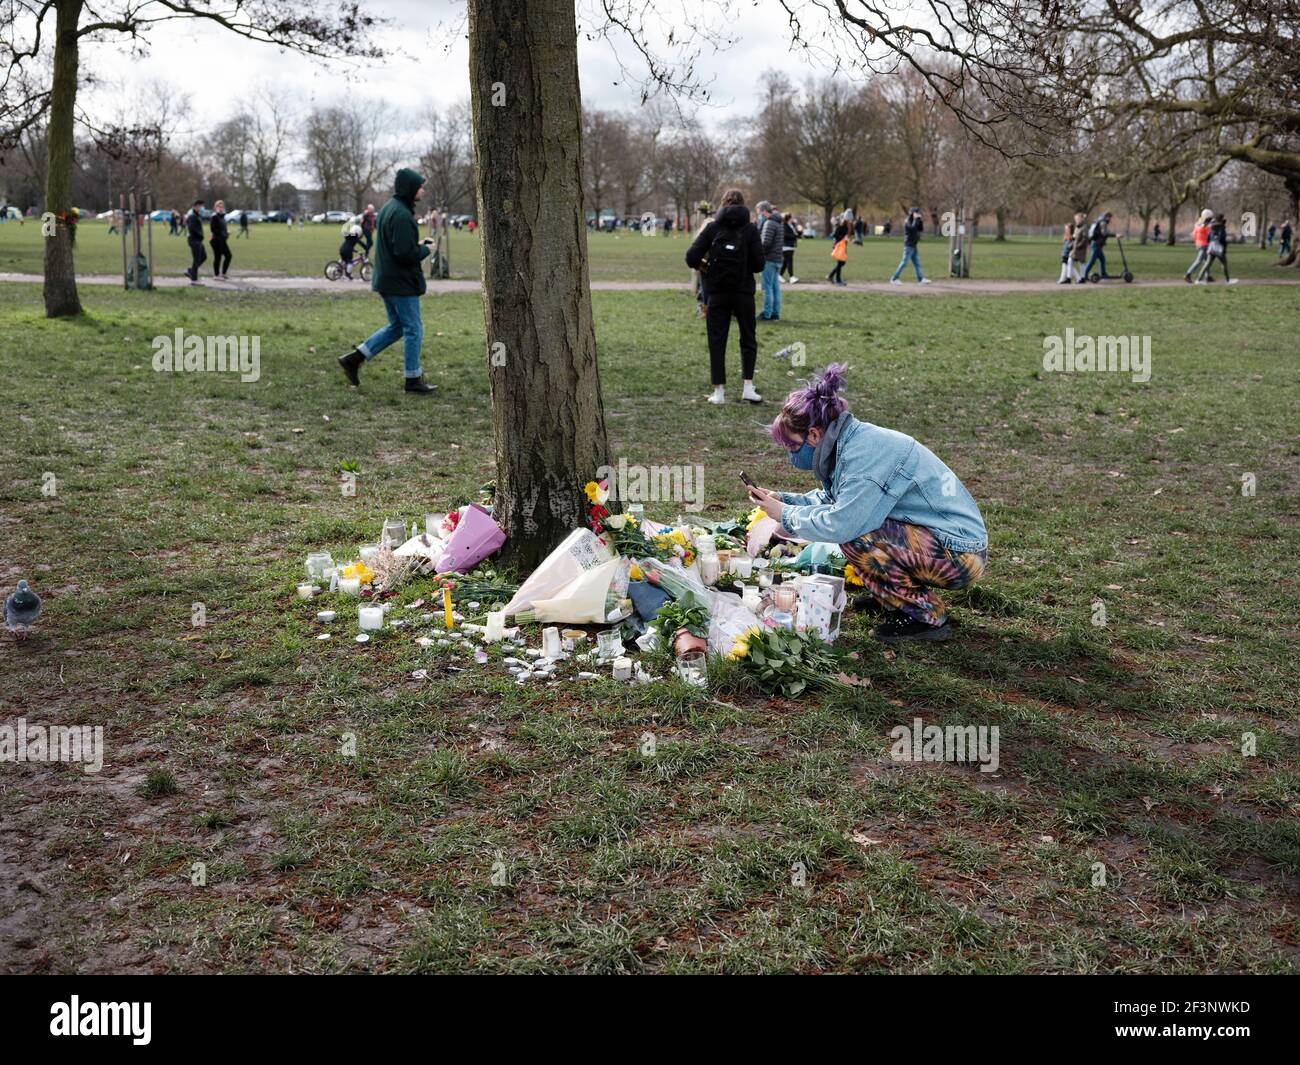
(623,668)
(371,617)
(743,567)
(496,626)
(367,552)
(306,591)
(350,585)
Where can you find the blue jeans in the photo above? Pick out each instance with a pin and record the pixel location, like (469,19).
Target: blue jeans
(771,290)
(404,323)
(910,254)
(1098,256)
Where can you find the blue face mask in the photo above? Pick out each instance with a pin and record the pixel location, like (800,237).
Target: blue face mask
(803,458)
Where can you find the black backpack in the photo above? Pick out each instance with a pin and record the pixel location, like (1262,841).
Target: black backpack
(728,258)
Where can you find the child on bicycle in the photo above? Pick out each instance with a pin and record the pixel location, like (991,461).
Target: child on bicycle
(351,238)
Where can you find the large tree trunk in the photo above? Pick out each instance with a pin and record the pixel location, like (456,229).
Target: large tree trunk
(546,403)
(1171,238)
(1001,215)
(60,276)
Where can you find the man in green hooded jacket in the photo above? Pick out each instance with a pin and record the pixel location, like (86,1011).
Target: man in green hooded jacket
(399,251)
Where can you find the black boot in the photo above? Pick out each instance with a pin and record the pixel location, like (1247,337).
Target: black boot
(351,363)
(419,386)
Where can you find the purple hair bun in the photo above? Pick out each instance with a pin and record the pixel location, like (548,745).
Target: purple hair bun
(819,402)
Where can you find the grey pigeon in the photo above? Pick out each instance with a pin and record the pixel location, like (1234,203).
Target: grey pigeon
(22,608)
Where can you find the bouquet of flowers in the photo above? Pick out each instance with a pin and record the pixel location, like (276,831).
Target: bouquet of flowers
(788,663)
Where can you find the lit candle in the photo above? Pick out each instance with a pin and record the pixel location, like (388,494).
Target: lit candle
(496,626)
(350,585)
(446,608)
(371,617)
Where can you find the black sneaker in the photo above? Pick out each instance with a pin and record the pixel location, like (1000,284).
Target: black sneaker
(900,628)
(867,604)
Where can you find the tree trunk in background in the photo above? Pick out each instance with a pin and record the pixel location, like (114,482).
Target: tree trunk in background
(1001,215)
(60,276)
(547,412)
(1171,238)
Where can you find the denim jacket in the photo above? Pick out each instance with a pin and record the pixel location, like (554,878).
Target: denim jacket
(881,474)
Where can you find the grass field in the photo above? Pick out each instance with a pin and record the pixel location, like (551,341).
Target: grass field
(1120,744)
(277,250)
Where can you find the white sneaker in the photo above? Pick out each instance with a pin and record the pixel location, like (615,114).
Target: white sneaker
(794,280)
(717,397)
(925,280)
(1233,281)
(1198,282)
(894,281)
(750,396)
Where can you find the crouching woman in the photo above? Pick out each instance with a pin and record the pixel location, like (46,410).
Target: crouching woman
(901,517)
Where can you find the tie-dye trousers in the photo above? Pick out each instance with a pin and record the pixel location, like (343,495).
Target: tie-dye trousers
(902,565)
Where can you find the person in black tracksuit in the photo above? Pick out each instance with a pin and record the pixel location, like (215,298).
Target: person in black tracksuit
(729,252)
(220,244)
(789,242)
(194,235)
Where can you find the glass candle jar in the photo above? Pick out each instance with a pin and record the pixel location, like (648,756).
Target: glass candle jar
(691,668)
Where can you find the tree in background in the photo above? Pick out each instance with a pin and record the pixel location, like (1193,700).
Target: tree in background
(448,159)
(52,32)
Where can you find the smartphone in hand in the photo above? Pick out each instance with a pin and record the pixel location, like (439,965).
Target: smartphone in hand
(745,477)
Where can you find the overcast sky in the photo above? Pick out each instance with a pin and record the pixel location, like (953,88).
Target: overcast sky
(428,61)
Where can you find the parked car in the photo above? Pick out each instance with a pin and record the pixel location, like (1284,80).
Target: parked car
(279,216)
(161,216)
(337,216)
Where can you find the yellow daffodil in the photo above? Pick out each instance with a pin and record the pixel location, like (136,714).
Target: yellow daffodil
(755,516)
(851,575)
(596,495)
(358,569)
(740,649)
(635,573)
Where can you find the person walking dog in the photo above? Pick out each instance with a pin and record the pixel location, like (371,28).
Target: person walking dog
(398,279)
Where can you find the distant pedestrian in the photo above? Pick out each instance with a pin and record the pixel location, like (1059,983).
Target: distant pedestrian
(1098,234)
(1217,249)
(791,232)
(368,227)
(1201,241)
(1272,232)
(220,245)
(243,224)
(1070,263)
(1284,239)
(771,234)
(859,228)
(729,253)
(1155,236)
(194,235)
(912,230)
(839,249)
(398,279)
(112,222)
